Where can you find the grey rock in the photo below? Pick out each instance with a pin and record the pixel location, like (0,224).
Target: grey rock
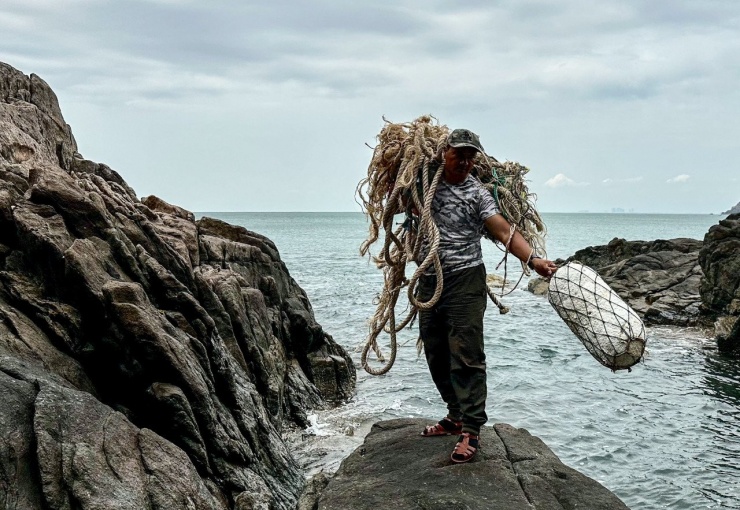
(735,209)
(148,360)
(720,286)
(92,457)
(727,333)
(683,282)
(397,467)
(309,500)
(19,473)
(658,279)
(538,286)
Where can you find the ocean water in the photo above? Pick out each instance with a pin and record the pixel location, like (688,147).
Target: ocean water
(666,435)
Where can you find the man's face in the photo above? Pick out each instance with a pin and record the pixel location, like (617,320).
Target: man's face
(458,163)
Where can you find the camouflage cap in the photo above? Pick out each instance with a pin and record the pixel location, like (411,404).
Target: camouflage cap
(464,138)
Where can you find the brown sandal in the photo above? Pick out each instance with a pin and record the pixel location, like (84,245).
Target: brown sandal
(466,448)
(445,427)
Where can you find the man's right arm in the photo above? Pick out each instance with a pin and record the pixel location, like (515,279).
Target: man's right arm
(501,229)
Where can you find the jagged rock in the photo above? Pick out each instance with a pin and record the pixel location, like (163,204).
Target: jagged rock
(720,260)
(312,492)
(720,287)
(93,457)
(397,467)
(683,282)
(146,360)
(20,481)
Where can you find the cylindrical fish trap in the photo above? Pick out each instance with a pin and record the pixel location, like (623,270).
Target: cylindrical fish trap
(609,328)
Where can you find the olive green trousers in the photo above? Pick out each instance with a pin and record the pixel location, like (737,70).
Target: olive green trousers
(452,334)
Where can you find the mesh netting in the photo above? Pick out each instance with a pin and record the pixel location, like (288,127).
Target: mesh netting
(609,328)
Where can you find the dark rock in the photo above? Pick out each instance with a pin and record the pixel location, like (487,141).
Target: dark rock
(19,482)
(727,330)
(312,492)
(146,360)
(720,287)
(720,261)
(683,282)
(93,457)
(397,467)
(619,249)
(659,279)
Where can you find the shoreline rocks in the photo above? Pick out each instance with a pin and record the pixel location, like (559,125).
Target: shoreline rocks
(720,288)
(735,209)
(398,467)
(148,360)
(658,279)
(679,282)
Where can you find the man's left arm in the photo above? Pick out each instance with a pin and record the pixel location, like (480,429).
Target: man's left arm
(501,230)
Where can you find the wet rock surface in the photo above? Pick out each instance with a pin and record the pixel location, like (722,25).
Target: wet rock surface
(398,468)
(147,360)
(720,287)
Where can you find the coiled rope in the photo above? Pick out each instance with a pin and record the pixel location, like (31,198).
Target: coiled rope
(403,176)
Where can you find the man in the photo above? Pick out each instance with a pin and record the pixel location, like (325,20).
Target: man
(452,331)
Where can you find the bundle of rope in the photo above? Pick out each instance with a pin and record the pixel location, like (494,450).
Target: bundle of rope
(402,178)
(607,326)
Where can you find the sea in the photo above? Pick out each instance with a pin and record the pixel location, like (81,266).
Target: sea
(665,435)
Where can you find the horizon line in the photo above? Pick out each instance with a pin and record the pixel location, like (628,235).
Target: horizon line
(541,212)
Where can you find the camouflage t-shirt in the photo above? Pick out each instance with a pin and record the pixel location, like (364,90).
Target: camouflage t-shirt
(460,211)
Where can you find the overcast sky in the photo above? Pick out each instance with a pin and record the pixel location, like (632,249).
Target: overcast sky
(268,106)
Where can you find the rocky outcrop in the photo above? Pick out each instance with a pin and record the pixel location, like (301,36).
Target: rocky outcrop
(682,282)
(397,467)
(146,360)
(720,287)
(659,279)
(734,210)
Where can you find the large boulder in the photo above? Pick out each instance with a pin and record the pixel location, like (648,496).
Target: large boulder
(147,360)
(720,287)
(398,468)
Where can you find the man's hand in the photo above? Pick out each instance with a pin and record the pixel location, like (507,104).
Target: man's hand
(501,230)
(543,267)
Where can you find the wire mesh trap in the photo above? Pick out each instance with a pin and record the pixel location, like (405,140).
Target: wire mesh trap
(607,326)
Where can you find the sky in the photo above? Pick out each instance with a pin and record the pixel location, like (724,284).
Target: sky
(275,105)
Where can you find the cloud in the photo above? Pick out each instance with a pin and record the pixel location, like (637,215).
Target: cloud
(631,86)
(623,51)
(627,180)
(678,178)
(561,180)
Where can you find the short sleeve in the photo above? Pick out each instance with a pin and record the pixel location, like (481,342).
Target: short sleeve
(488,206)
